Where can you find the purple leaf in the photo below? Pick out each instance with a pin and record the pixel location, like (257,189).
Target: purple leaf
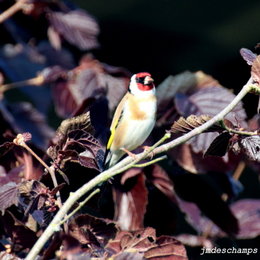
(91,230)
(24,118)
(208,101)
(77,27)
(247,211)
(250,146)
(248,56)
(8,196)
(255,70)
(130,204)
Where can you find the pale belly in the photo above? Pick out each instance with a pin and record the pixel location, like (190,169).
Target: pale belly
(137,133)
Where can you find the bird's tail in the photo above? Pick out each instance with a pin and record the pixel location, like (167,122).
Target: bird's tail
(112,158)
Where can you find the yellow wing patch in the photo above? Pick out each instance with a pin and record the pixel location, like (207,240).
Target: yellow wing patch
(117,117)
(113,130)
(111,138)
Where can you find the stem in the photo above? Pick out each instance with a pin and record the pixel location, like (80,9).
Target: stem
(230,130)
(141,165)
(51,170)
(37,81)
(81,204)
(12,10)
(125,164)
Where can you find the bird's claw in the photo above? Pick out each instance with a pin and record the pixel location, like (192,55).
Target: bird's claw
(128,152)
(146,148)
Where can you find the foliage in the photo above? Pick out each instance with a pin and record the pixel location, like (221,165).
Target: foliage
(137,213)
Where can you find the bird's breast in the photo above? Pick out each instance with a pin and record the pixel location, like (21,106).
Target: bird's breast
(142,108)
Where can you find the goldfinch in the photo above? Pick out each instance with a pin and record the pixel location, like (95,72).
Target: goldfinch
(134,118)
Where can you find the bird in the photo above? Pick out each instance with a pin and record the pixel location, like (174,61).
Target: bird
(134,118)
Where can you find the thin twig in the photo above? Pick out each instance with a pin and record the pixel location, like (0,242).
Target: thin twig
(19,5)
(141,165)
(127,163)
(51,170)
(37,81)
(240,132)
(81,204)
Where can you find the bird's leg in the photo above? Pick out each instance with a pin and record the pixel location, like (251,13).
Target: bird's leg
(146,148)
(128,152)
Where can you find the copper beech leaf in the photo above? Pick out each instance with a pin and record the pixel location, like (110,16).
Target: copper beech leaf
(89,81)
(21,236)
(37,200)
(166,248)
(198,192)
(8,195)
(255,70)
(74,141)
(248,55)
(89,230)
(247,212)
(130,202)
(145,242)
(250,146)
(24,118)
(210,101)
(219,145)
(183,125)
(77,27)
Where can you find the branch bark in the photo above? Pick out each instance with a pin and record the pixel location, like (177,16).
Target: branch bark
(127,163)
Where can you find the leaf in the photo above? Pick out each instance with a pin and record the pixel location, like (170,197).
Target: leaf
(144,241)
(129,256)
(250,146)
(90,80)
(6,256)
(36,199)
(254,123)
(248,56)
(24,118)
(130,203)
(219,145)
(209,101)
(160,179)
(196,163)
(21,236)
(77,27)
(92,231)
(173,85)
(141,239)
(8,196)
(14,175)
(194,241)
(52,74)
(166,248)
(62,57)
(197,189)
(86,149)
(255,70)
(247,211)
(185,125)
(6,147)
(77,145)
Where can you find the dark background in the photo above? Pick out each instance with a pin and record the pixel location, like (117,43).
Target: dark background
(169,36)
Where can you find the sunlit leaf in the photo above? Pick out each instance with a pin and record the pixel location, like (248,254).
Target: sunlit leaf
(77,27)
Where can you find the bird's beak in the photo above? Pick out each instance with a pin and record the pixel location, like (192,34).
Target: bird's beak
(148,80)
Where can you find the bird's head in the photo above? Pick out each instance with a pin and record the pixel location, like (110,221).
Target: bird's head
(141,82)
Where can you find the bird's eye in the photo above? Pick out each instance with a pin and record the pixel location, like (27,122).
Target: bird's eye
(140,80)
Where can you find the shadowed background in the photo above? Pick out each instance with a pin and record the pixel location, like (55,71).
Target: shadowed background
(168,36)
